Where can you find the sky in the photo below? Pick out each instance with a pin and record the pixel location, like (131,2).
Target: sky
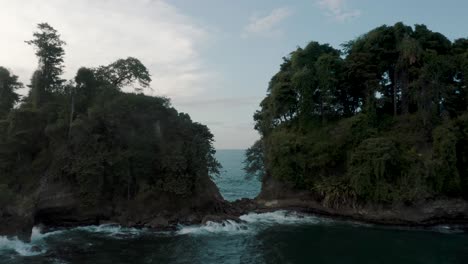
(212,58)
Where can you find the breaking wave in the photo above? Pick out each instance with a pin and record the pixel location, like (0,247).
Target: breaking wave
(251,223)
(112,230)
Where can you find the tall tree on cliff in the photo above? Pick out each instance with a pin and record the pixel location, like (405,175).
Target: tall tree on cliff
(50,52)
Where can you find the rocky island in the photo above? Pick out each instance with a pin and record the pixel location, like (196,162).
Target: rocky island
(83,152)
(376,132)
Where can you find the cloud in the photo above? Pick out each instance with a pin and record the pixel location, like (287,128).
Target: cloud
(221,102)
(99,32)
(338,10)
(267,25)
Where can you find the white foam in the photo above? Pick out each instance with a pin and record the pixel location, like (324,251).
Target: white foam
(20,247)
(281,217)
(445,229)
(35,247)
(112,230)
(228,227)
(251,223)
(37,235)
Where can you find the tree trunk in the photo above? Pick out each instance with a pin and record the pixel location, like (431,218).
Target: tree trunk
(395,92)
(129,178)
(72,112)
(404,82)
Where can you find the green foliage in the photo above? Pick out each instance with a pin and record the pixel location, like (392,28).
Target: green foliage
(385,120)
(124,72)
(374,166)
(283,144)
(8,85)
(451,157)
(50,52)
(254,164)
(336,192)
(106,144)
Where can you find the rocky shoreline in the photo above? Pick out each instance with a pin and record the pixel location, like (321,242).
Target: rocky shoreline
(276,195)
(207,205)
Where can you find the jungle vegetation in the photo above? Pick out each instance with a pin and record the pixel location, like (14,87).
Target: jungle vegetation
(86,132)
(384,119)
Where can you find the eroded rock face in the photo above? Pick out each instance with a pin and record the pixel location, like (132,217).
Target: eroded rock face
(14,225)
(58,205)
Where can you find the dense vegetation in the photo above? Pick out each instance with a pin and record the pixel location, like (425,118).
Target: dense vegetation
(384,120)
(87,133)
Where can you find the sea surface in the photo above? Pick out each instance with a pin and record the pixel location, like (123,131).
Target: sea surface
(277,237)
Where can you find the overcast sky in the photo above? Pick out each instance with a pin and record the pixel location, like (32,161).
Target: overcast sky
(213,58)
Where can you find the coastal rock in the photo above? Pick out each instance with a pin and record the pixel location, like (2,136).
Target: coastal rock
(14,225)
(278,196)
(57,205)
(158,222)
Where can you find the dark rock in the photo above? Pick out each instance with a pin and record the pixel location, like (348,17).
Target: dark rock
(158,222)
(16,225)
(35,249)
(58,204)
(276,195)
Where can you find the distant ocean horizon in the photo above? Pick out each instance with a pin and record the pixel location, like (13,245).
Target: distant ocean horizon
(232,181)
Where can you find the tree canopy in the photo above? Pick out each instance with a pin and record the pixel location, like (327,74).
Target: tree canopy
(370,117)
(50,52)
(8,86)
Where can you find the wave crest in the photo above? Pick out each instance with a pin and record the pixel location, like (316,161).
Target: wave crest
(251,223)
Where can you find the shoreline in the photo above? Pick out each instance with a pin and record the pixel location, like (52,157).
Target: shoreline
(247,207)
(461,224)
(382,217)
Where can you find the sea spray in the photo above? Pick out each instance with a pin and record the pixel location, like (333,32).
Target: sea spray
(20,247)
(281,217)
(252,223)
(226,227)
(112,230)
(37,246)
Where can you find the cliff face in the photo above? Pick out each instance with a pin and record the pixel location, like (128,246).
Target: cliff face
(59,205)
(16,221)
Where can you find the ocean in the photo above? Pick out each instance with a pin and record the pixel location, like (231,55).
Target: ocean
(276,237)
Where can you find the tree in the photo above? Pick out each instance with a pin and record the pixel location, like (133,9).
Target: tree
(410,53)
(85,89)
(8,85)
(284,97)
(37,93)
(254,163)
(49,50)
(328,68)
(124,72)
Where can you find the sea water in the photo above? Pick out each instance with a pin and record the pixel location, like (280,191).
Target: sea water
(275,237)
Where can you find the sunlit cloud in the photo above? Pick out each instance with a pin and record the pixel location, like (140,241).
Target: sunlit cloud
(267,25)
(100,32)
(338,10)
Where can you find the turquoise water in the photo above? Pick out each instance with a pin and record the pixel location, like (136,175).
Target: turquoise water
(232,183)
(277,237)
